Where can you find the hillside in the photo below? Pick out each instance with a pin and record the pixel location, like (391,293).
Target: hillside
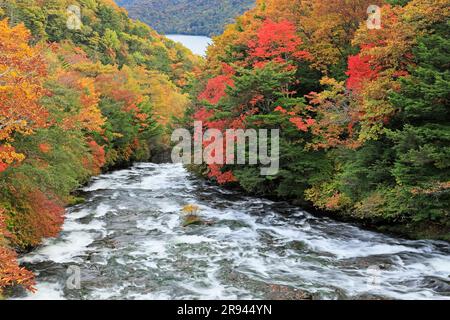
(193,17)
(81,91)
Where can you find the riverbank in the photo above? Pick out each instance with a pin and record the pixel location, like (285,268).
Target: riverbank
(411,230)
(73,108)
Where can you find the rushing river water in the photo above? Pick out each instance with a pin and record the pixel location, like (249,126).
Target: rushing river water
(197,44)
(128,242)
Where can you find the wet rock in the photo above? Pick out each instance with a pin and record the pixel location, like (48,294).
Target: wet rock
(268,291)
(297,245)
(234,224)
(369,297)
(280,292)
(437,284)
(381,262)
(194,220)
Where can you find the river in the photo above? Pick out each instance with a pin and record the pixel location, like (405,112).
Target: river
(128,242)
(197,44)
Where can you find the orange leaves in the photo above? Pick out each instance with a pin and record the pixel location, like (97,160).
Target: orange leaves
(329,27)
(22,69)
(335,116)
(221,177)
(300,123)
(10,272)
(90,115)
(359,71)
(45,147)
(280,109)
(8,156)
(3,231)
(215,89)
(276,42)
(389,47)
(45,217)
(98,154)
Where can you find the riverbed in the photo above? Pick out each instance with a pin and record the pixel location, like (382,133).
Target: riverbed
(128,242)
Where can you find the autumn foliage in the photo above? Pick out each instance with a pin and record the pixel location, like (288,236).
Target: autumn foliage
(276,42)
(360,111)
(22,70)
(10,273)
(73,104)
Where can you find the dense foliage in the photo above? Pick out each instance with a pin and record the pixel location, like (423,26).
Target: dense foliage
(74,102)
(363,113)
(191,17)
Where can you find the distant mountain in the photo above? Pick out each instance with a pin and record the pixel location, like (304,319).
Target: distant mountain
(194,17)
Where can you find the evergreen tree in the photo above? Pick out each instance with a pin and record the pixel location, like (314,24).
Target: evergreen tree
(422,143)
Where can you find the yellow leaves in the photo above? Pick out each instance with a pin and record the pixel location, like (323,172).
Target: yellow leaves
(325,196)
(9,155)
(166,98)
(22,69)
(329,27)
(390,53)
(89,117)
(426,12)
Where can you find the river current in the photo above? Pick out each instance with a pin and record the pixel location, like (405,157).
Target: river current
(128,242)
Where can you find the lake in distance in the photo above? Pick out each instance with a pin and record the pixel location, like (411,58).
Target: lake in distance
(197,44)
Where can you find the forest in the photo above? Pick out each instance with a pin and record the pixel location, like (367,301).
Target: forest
(194,17)
(75,102)
(363,112)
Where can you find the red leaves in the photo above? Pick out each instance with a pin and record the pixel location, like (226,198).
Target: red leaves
(3,166)
(98,158)
(299,122)
(215,89)
(302,125)
(215,171)
(276,42)
(280,109)
(359,71)
(45,217)
(203,115)
(45,147)
(22,71)
(11,273)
